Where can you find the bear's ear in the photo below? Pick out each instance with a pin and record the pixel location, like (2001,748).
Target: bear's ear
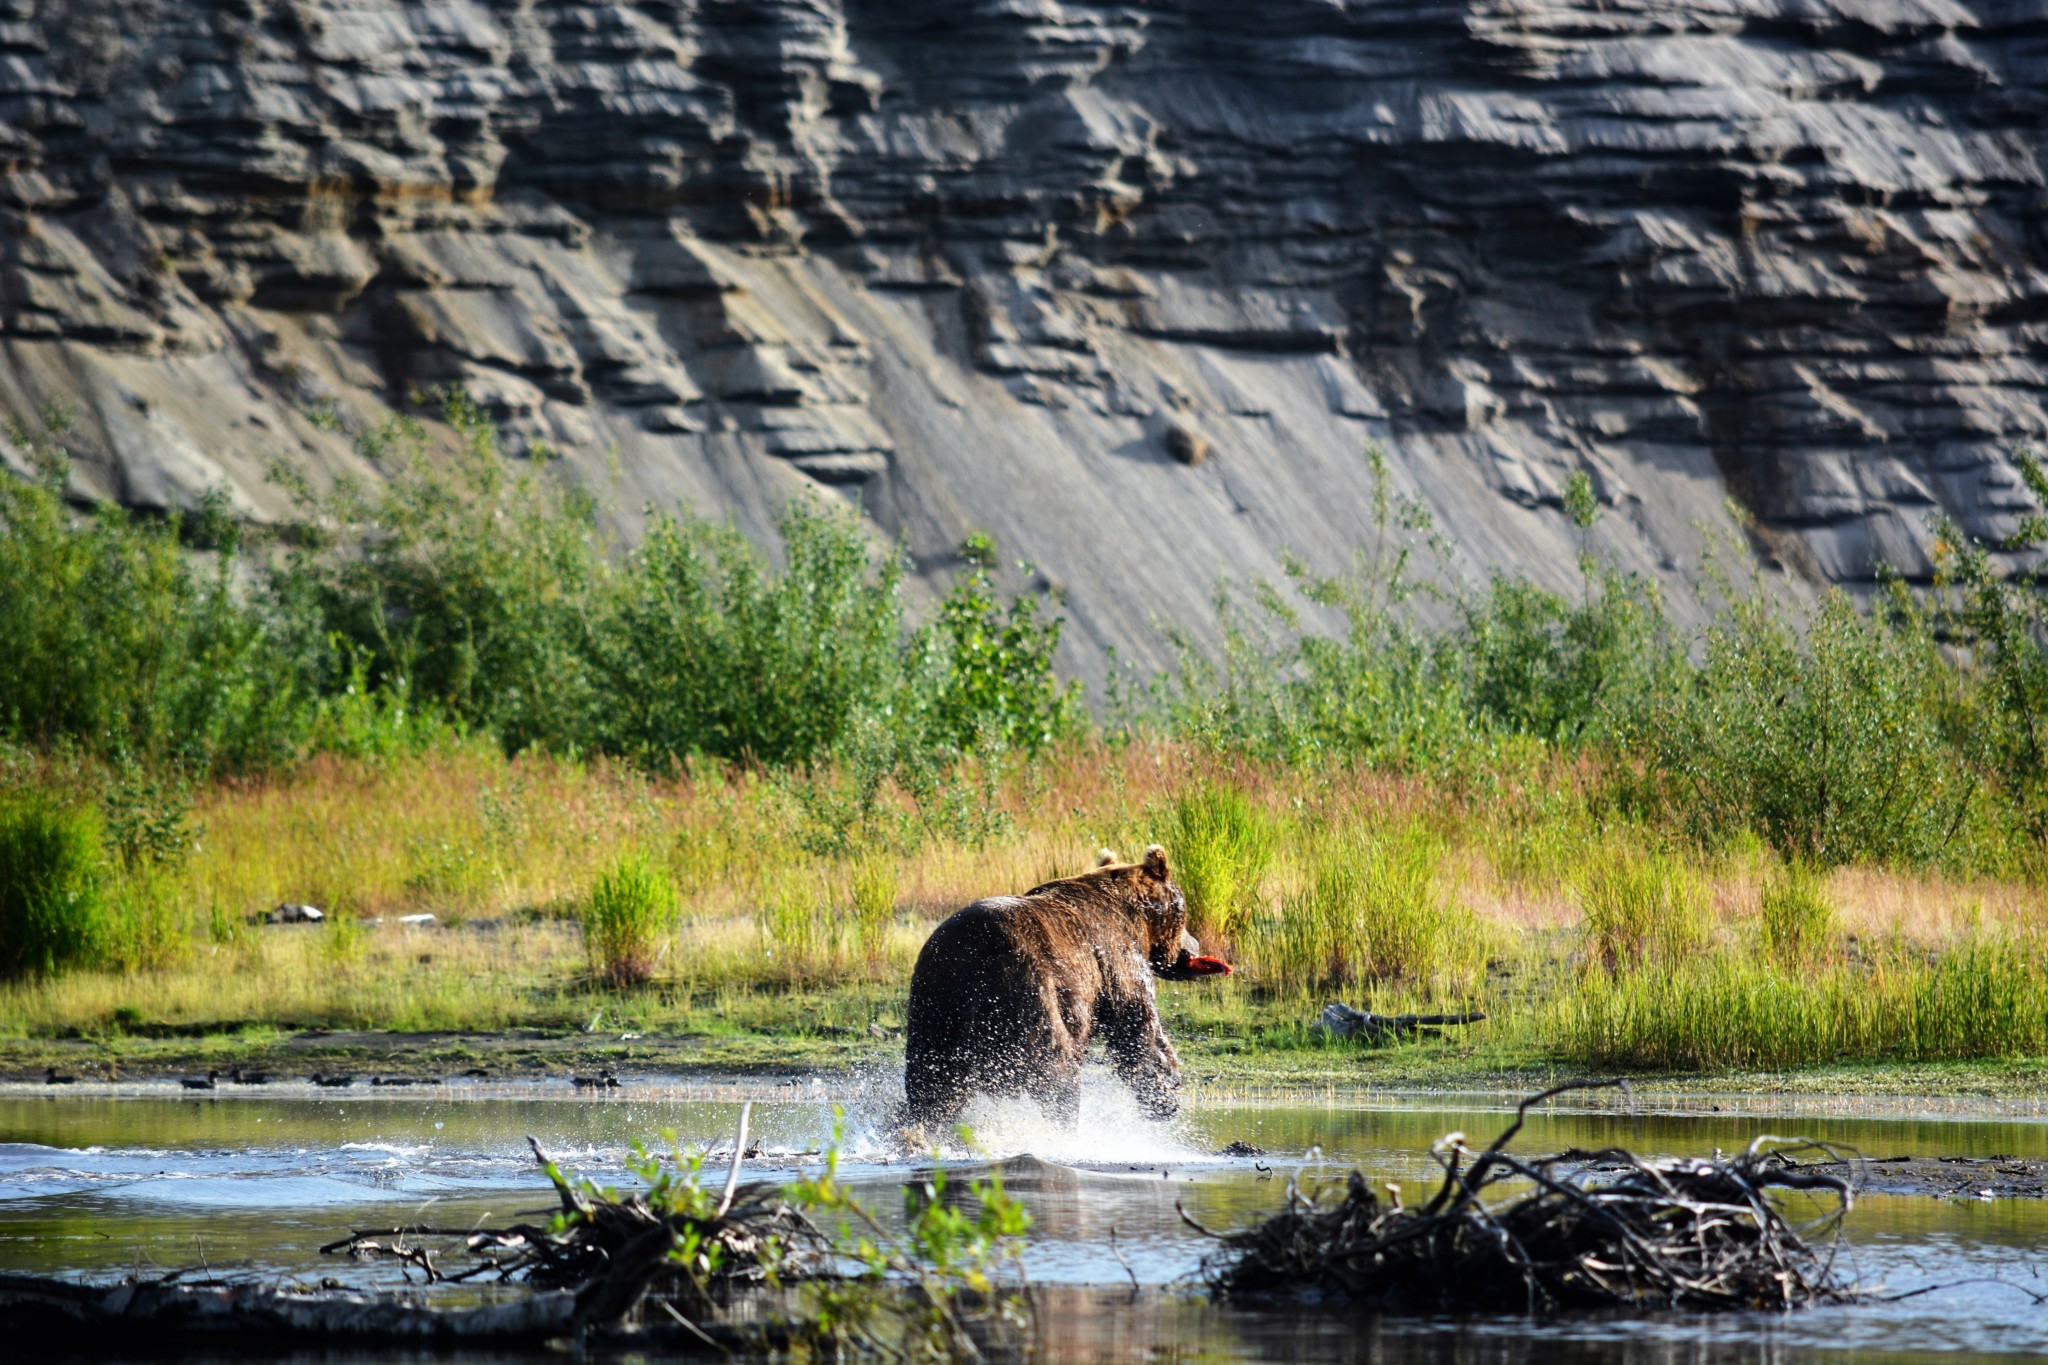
(1105,857)
(1155,862)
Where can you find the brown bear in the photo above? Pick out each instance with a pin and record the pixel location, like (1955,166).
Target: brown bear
(1008,993)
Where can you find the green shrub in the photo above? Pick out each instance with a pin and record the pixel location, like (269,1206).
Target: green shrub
(1640,906)
(1797,916)
(117,639)
(1386,691)
(999,679)
(466,585)
(1999,617)
(147,818)
(1219,845)
(1829,747)
(711,650)
(52,900)
(1541,666)
(628,920)
(476,592)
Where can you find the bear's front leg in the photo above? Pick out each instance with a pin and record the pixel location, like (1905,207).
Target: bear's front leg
(1142,1054)
(1061,1099)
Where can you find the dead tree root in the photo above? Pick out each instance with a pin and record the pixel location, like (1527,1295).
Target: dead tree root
(589,1270)
(1587,1230)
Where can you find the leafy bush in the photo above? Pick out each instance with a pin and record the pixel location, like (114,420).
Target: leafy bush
(1394,691)
(711,650)
(1830,747)
(466,586)
(2000,617)
(1542,666)
(950,1286)
(147,817)
(999,676)
(1383,692)
(52,901)
(117,639)
(1219,845)
(628,918)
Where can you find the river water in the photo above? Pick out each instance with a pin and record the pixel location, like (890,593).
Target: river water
(104,1181)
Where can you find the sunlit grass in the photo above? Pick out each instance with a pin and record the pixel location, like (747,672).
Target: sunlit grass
(1983,997)
(1582,939)
(1375,907)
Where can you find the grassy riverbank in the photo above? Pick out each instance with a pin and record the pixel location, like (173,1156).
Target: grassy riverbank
(1590,941)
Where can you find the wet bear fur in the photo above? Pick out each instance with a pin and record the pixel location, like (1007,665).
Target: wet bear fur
(1009,992)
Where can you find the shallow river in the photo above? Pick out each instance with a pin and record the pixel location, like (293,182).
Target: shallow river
(106,1180)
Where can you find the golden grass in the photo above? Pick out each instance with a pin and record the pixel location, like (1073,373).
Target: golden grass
(504,852)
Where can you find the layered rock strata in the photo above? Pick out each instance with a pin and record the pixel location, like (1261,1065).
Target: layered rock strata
(1129,286)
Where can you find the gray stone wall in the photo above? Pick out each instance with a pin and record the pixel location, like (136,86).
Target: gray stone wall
(1010,264)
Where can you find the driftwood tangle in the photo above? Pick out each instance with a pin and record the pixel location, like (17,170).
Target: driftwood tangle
(586,1276)
(1594,1229)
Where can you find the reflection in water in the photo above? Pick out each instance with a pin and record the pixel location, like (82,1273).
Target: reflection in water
(113,1183)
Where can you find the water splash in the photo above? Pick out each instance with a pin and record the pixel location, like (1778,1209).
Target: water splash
(1114,1132)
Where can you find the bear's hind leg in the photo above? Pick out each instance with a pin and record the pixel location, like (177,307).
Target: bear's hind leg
(935,1099)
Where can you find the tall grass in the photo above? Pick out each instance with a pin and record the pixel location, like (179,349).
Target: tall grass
(1381,891)
(1795,913)
(873,885)
(53,911)
(1375,908)
(1640,907)
(818,923)
(629,919)
(802,936)
(1219,845)
(1983,997)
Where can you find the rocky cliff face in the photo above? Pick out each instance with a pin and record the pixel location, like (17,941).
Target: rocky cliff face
(1130,286)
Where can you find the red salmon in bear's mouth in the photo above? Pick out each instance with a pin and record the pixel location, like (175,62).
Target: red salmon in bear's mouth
(1188,966)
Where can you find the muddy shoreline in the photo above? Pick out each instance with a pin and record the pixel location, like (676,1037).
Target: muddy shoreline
(1226,1073)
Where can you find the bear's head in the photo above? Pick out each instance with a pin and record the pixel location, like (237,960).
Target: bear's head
(1147,889)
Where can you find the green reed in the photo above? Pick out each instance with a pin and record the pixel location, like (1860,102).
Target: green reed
(629,919)
(1376,907)
(1219,845)
(1985,996)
